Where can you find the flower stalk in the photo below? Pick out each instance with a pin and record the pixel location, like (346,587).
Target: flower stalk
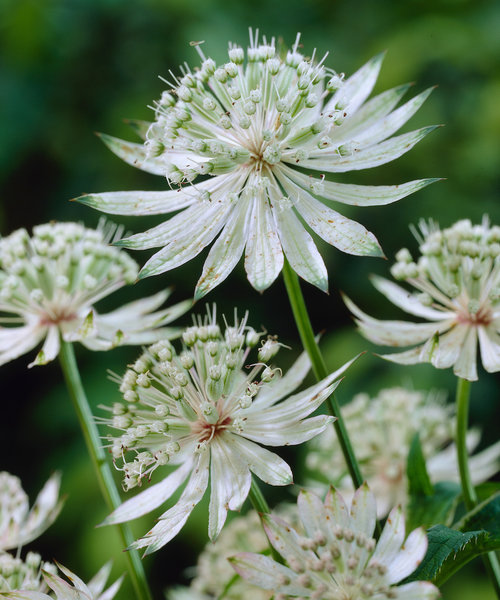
(469,493)
(260,504)
(101,466)
(306,333)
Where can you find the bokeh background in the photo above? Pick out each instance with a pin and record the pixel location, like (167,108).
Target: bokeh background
(70,68)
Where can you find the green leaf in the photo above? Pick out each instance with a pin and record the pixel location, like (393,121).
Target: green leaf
(419,482)
(429,504)
(449,550)
(485,516)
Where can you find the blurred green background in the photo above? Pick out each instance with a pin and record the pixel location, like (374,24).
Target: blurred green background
(73,67)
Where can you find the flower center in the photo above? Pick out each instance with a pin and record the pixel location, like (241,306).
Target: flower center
(61,315)
(207,431)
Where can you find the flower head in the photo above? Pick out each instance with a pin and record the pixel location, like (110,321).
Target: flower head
(49,283)
(457,282)
(202,412)
(16,574)
(382,429)
(338,558)
(18,524)
(76,590)
(253,127)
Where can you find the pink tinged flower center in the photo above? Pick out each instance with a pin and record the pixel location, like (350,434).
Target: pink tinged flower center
(206,431)
(481,315)
(57,317)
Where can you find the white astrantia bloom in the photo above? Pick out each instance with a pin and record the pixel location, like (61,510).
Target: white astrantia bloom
(49,283)
(75,590)
(338,557)
(203,413)
(17,574)
(18,524)
(457,282)
(382,429)
(251,129)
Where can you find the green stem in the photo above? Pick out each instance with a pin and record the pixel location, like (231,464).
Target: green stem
(101,466)
(262,507)
(469,493)
(319,367)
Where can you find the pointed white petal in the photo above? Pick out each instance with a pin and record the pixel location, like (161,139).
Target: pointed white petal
(409,357)
(356,195)
(366,158)
(97,584)
(265,464)
(266,573)
(134,154)
(226,252)
(364,511)
(466,366)
(417,590)
(290,435)
(285,539)
(407,301)
(312,513)
(376,108)
(392,122)
(19,340)
(151,498)
(343,233)
(394,333)
(230,484)
(357,88)
(336,510)
(50,348)
(391,538)
(409,557)
(111,592)
(489,343)
(263,253)
(61,588)
(300,249)
(188,245)
(172,521)
(139,203)
(447,349)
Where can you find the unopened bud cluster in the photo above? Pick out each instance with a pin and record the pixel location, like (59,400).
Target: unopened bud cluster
(61,267)
(176,402)
(461,262)
(262,110)
(16,574)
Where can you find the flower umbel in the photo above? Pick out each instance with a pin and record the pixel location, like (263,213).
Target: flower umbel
(76,590)
(253,127)
(338,558)
(16,574)
(18,524)
(50,282)
(202,412)
(457,279)
(382,429)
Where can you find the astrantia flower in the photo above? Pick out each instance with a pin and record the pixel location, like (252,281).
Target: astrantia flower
(338,558)
(382,429)
(49,283)
(18,524)
(201,411)
(457,279)
(16,574)
(76,590)
(253,128)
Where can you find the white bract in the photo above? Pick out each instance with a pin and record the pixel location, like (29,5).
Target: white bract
(381,430)
(49,283)
(203,413)
(18,524)
(75,590)
(250,130)
(337,558)
(457,282)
